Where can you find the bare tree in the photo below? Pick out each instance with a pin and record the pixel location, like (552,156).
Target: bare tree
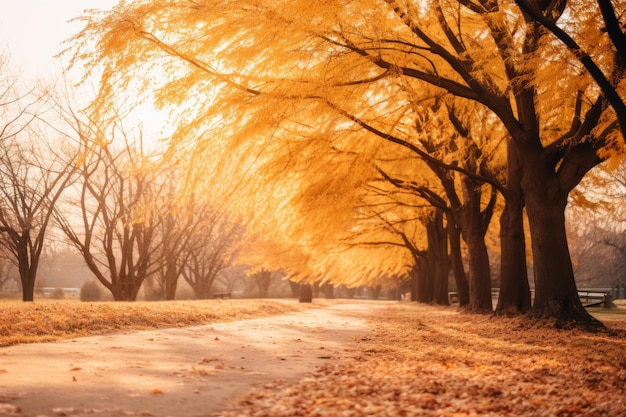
(212,248)
(596,227)
(232,278)
(32,175)
(114,226)
(32,178)
(263,280)
(178,219)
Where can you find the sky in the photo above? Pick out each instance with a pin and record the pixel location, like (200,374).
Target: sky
(33,31)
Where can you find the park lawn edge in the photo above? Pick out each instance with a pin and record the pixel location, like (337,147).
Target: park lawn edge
(49,321)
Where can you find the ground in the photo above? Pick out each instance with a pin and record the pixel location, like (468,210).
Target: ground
(190,371)
(346,359)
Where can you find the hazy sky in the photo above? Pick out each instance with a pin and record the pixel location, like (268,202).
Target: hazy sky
(33,30)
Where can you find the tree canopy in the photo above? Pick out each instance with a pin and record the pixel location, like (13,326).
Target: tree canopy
(309,104)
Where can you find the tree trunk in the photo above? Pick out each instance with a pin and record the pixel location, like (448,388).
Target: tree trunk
(27,267)
(170,280)
(438,248)
(329,290)
(473,229)
(456,259)
(263,280)
(424,280)
(125,289)
(480,275)
(514,295)
(28,289)
(556,295)
(202,287)
(555,288)
(514,289)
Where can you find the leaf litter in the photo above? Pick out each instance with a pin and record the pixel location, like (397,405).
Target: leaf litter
(433,361)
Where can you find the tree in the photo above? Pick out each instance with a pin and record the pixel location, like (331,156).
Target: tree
(212,247)
(462,200)
(32,179)
(263,280)
(325,66)
(548,14)
(113,227)
(550,171)
(32,175)
(597,223)
(178,222)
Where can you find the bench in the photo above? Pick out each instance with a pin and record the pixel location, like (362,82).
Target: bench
(221,295)
(589,298)
(595,299)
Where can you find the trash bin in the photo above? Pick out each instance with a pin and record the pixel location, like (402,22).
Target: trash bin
(306,293)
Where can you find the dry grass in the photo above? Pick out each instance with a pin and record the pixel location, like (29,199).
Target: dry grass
(428,361)
(48,321)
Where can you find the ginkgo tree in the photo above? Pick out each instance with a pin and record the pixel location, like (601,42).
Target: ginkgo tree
(267,76)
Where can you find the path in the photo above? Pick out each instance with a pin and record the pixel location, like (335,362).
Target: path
(191,371)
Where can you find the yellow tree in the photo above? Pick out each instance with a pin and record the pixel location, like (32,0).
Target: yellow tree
(480,270)
(271,75)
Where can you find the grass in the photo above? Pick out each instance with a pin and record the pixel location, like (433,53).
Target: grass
(607,314)
(51,320)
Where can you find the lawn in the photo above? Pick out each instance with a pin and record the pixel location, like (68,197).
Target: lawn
(50,320)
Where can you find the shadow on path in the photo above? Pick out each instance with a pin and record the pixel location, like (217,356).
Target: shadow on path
(190,371)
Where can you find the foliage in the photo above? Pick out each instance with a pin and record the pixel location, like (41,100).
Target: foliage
(306,105)
(54,320)
(91,290)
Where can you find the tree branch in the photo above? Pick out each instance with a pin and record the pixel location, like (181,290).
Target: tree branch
(596,73)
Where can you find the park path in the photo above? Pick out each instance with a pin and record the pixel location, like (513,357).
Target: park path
(191,371)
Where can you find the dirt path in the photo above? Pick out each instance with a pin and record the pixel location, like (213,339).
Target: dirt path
(191,371)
